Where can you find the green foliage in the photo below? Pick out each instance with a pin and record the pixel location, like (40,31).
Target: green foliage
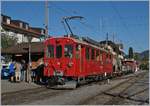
(7,41)
(136,56)
(144,66)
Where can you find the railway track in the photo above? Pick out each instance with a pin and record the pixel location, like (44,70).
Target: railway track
(122,93)
(26,96)
(128,90)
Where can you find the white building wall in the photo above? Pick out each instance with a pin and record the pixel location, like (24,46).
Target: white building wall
(35,40)
(21,37)
(24,38)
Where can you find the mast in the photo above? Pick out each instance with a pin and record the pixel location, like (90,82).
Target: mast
(46,19)
(107,39)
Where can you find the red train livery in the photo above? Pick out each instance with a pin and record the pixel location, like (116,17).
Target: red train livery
(70,59)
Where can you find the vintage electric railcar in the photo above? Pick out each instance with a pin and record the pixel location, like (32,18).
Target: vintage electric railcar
(69,59)
(129,66)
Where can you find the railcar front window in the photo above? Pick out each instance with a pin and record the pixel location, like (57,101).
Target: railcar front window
(78,47)
(50,51)
(58,51)
(68,51)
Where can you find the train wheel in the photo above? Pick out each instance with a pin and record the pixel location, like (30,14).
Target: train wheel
(97,78)
(51,82)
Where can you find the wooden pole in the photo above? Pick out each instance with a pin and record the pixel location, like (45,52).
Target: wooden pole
(46,19)
(29,68)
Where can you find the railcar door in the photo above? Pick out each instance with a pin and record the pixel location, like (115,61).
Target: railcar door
(69,61)
(87,60)
(80,64)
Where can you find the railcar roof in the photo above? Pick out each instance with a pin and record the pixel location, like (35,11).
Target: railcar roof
(81,42)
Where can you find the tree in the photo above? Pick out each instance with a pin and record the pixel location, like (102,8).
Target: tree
(7,41)
(130,52)
(136,56)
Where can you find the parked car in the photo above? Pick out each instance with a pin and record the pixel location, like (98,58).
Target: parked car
(5,71)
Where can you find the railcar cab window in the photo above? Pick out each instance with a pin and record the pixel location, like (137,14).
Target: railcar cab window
(50,51)
(78,47)
(68,50)
(58,51)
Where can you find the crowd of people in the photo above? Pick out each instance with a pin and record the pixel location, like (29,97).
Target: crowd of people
(19,71)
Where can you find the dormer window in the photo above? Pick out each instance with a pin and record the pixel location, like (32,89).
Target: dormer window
(42,31)
(5,19)
(21,25)
(8,21)
(26,26)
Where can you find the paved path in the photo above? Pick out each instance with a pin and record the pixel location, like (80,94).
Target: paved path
(7,86)
(86,94)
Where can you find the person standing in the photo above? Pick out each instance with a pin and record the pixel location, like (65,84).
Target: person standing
(23,70)
(12,71)
(18,71)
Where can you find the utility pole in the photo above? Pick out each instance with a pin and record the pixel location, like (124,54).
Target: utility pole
(30,64)
(113,38)
(102,26)
(46,18)
(107,38)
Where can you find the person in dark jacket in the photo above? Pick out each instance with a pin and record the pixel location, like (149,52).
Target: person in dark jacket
(12,71)
(24,67)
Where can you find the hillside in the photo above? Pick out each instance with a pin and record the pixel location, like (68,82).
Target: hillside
(142,56)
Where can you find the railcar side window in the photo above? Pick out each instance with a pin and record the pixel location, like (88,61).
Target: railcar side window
(92,54)
(58,51)
(50,51)
(101,53)
(107,58)
(68,51)
(97,55)
(87,53)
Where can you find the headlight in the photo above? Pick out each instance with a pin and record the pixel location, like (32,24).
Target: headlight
(70,64)
(46,64)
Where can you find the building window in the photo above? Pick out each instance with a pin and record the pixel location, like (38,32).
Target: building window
(26,26)
(87,53)
(58,51)
(42,31)
(50,51)
(68,51)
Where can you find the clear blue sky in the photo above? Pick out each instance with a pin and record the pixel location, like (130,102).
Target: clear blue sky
(129,21)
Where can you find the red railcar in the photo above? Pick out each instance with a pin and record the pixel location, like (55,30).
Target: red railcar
(129,65)
(70,59)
